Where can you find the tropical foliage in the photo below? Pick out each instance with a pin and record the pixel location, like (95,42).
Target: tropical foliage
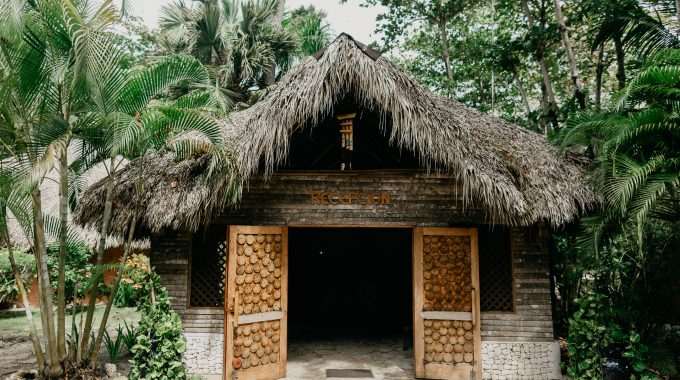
(72,101)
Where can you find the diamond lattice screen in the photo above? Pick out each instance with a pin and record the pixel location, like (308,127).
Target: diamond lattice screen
(208,262)
(495,270)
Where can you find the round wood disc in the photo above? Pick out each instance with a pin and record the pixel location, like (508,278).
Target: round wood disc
(264,360)
(469,335)
(448,357)
(245,364)
(448,347)
(458,348)
(277,238)
(250,239)
(458,358)
(263,307)
(468,347)
(245,354)
(249,268)
(241,238)
(273,357)
(254,361)
(269,238)
(275,338)
(468,357)
(236,363)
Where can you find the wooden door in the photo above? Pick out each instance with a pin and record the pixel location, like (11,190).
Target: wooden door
(257,303)
(446,331)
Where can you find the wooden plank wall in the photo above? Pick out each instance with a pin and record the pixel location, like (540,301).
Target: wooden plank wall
(532,319)
(417,199)
(170,258)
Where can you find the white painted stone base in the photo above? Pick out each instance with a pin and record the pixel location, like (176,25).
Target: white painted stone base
(500,360)
(521,360)
(205,353)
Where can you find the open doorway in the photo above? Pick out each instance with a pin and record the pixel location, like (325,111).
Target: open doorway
(350,301)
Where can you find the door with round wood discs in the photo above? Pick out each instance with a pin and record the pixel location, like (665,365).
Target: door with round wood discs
(257,303)
(446,304)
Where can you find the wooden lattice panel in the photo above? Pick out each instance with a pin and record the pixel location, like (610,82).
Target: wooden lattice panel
(257,344)
(446,273)
(258,273)
(449,341)
(495,270)
(208,264)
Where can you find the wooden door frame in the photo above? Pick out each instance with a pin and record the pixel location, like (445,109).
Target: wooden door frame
(417,267)
(228,333)
(412,228)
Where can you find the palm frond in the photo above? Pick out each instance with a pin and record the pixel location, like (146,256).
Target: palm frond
(151,82)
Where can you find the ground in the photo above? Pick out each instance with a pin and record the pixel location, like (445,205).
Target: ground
(384,356)
(16,349)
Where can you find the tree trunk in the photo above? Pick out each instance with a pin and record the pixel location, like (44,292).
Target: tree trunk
(620,62)
(276,23)
(578,87)
(109,303)
(61,275)
(523,95)
(550,105)
(677,11)
(55,370)
(445,49)
(101,247)
(37,348)
(599,70)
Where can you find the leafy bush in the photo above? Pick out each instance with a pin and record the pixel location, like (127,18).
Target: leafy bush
(9,291)
(78,270)
(160,345)
(131,290)
(589,335)
(113,345)
(129,336)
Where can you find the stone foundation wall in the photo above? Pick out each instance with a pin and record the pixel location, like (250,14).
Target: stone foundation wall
(205,353)
(521,360)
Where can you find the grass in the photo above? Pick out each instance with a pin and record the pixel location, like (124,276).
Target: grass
(14,323)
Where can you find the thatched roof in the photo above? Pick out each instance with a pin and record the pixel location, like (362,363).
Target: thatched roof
(513,173)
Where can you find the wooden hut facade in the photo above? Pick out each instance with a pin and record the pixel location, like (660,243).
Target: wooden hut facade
(349,172)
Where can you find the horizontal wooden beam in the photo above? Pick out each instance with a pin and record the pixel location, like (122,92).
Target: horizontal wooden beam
(447,315)
(259,317)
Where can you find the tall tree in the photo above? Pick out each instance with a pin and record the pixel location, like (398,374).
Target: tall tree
(400,15)
(569,49)
(538,34)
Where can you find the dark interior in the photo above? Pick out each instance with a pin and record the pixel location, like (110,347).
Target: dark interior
(349,282)
(319,148)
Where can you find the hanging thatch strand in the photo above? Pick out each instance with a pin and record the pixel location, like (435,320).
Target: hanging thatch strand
(513,173)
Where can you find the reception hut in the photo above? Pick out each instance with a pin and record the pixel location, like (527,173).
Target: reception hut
(357,203)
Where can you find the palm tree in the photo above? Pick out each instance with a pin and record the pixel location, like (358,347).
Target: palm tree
(636,149)
(63,80)
(234,38)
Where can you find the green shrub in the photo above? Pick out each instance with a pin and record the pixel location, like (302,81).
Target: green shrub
(130,290)
(78,270)
(9,291)
(113,345)
(590,333)
(160,345)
